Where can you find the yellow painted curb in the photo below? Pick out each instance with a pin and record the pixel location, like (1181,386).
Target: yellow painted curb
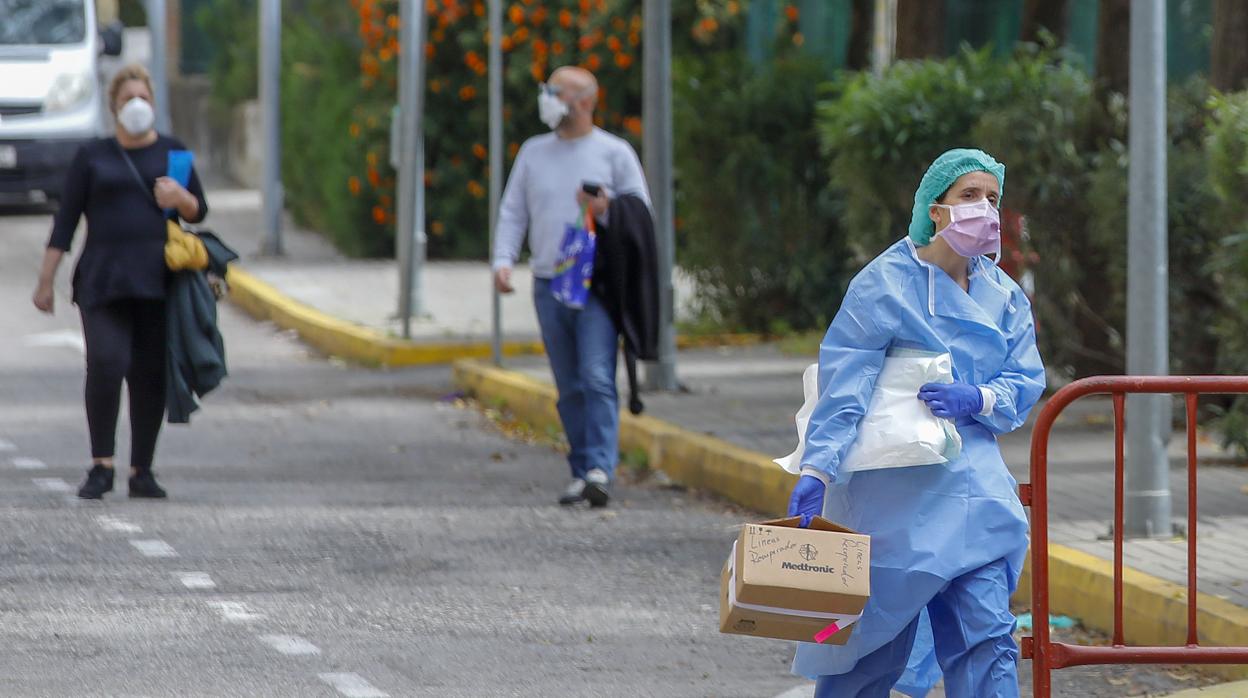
(361,344)
(348,340)
(1081,585)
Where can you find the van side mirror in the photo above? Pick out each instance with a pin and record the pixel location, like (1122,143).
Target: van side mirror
(110,36)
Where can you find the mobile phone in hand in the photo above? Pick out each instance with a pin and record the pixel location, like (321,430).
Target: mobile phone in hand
(591,188)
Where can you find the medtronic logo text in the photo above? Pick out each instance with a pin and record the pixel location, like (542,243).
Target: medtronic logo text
(803,567)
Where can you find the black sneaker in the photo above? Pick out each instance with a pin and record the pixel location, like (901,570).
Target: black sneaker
(99,481)
(596,487)
(144,486)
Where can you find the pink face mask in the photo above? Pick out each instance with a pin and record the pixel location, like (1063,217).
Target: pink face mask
(975,229)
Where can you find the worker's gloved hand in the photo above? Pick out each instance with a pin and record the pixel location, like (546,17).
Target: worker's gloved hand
(807,499)
(952,400)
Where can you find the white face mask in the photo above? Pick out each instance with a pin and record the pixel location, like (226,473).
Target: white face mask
(136,116)
(551,109)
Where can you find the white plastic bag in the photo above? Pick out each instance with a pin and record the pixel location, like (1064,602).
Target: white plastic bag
(898,430)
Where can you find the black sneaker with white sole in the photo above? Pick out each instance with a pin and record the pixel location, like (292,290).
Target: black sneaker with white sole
(597,487)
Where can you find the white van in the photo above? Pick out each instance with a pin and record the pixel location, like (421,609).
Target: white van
(50,90)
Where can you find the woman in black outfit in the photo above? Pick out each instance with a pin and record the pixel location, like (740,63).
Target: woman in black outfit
(119,282)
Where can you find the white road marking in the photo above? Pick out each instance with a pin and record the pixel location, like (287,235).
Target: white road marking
(804,691)
(28,463)
(154,547)
(290,645)
(69,339)
(197,580)
(116,525)
(353,686)
(51,484)
(6,446)
(236,611)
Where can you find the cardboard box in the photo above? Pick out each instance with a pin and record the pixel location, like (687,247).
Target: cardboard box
(792,583)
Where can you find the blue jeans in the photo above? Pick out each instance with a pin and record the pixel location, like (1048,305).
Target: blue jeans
(582,347)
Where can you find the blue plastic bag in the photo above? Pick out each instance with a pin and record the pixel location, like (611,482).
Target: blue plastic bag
(180,164)
(574,269)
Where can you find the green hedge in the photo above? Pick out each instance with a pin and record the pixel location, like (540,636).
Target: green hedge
(758,227)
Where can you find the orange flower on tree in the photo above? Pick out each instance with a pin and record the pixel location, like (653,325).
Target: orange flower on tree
(565,19)
(791,12)
(632,124)
(353,185)
(374,177)
(354,130)
(623,61)
(475,188)
(393,22)
(798,39)
(593,62)
(379,215)
(556,48)
(613,43)
(516,14)
(467,93)
(520,35)
(508,44)
(538,16)
(479,151)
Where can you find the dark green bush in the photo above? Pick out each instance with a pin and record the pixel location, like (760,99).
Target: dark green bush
(758,226)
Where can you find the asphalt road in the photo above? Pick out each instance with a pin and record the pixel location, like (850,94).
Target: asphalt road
(336,531)
(391,537)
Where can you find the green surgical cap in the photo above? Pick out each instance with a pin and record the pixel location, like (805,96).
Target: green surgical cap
(939,177)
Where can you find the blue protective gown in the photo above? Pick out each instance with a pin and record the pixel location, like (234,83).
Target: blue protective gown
(929,525)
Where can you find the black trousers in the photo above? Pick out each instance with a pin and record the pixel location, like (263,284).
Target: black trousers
(125,340)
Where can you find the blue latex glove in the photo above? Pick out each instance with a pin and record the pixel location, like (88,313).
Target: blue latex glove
(807,499)
(952,400)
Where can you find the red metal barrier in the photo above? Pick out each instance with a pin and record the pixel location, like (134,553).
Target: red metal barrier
(1046,655)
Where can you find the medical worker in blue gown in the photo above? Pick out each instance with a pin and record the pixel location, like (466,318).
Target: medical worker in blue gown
(947,541)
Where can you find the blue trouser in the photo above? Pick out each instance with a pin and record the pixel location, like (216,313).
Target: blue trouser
(582,347)
(973,632)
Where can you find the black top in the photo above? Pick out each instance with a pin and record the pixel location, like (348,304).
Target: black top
(124,254)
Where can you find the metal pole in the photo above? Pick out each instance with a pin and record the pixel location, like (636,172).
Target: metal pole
(271,123)
(657,151)
(409,230)
(1148,417)
(157,28)
(884,40)
(496,166)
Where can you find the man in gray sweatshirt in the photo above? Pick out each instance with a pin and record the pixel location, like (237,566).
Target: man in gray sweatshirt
(544,194)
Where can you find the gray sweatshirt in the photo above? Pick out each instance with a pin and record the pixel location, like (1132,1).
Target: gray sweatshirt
(541,192)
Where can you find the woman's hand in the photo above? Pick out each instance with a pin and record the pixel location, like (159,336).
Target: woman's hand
(45,298)
(807,499)
(170,194)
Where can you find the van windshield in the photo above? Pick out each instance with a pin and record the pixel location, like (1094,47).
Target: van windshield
(41,22)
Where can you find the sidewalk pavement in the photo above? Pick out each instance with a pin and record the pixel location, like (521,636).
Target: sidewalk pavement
(736,413)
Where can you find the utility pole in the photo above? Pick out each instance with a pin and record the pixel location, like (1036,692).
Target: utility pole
(271,123)
(157,29)
(657,153)
(884,38)
(1147,494)
(410,226)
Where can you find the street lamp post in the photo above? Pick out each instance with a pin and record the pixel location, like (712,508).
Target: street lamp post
(410,226)
(1148,416)
(657,152)
(271,124)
